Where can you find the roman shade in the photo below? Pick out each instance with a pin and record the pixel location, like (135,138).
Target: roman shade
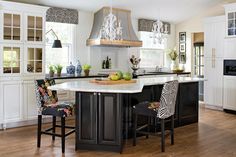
(146,25)
(62,15)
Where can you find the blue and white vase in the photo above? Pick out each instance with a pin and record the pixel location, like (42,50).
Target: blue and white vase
(70,70)
(78,68)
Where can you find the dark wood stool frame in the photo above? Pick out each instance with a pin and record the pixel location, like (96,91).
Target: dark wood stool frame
(147,133)
(52,131)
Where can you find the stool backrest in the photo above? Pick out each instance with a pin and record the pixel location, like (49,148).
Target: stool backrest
(44,96)
(168,99)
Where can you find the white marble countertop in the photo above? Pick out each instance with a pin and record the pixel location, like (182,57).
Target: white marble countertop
(85,86)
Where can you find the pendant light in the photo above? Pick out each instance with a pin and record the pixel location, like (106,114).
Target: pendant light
(111,27)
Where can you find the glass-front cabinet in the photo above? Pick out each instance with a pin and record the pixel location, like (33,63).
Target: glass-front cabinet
(11,27)
(34,59)
(34,28)
(231,24)
(11,59)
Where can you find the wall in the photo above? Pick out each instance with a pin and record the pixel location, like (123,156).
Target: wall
(95,55)
(194,25)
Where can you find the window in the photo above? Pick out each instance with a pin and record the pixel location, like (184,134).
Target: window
(151,54)
(198,59)
(64,55)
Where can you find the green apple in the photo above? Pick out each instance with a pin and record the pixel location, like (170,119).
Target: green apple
(114,77)
(127,76)
(120,74)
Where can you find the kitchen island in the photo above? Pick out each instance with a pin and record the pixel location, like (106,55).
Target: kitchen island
(104,112)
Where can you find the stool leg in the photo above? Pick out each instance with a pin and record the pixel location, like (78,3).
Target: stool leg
(148,127)
(172,129)
(162,135)
(135,127)
(63,134)
(39,130)
(53,127)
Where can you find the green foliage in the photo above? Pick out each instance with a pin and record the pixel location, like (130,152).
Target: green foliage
(86,67)
(58,67)
(172,54)
(51,68)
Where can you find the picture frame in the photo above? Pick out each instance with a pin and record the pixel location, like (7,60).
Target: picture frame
(182,47)
(182,37)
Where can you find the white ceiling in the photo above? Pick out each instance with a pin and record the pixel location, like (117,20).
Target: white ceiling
(173,11)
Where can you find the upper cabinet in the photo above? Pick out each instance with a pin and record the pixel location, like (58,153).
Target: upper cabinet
(35,28)
(230,13)
(12,26)
(22,44)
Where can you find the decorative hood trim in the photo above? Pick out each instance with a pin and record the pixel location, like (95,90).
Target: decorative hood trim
(129,37)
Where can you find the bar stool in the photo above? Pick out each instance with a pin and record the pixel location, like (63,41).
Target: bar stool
(163,111)
(47,102)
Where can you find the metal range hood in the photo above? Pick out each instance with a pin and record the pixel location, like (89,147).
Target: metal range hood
(129,38)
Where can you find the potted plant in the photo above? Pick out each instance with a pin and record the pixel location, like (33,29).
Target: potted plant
(58,68)
(51,70)
(86,68)
(172,53)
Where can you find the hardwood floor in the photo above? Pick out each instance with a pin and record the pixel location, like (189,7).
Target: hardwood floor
(213,136)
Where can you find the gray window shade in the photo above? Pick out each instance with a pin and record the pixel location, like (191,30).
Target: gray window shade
(62,15)
(146,25)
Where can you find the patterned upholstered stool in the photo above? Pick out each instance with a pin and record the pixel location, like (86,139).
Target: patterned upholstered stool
(48,104)
(163,111)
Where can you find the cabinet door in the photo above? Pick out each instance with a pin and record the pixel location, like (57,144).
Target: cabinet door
(11,59)
(12,26)
(109,119)
(231,24)
(11,100)
(214,35)
(34,59)
(30,106)
(209,39)
(229,93)
(35,28)
(213,87)
(86,105)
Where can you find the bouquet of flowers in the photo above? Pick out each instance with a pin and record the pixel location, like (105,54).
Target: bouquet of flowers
(134,61)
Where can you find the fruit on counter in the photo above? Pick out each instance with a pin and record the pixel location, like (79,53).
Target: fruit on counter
(127,76)
(114,77)
(120,74)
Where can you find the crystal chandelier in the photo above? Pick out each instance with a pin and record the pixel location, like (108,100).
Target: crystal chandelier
(160,32)
(111,27)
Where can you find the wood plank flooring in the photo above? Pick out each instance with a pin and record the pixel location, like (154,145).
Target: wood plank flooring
(213,136)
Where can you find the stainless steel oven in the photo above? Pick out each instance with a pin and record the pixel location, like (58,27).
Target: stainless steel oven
(230,67)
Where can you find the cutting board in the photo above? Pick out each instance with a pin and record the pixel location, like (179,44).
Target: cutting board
(110,82)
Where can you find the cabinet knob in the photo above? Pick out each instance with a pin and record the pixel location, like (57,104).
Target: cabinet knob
(94,93)
(99,93)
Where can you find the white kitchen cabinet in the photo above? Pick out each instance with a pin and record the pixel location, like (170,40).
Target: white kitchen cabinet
(229,93)
(213,87)
(214,36)
(230,48)
(230,16)
(11,93)
(30,105)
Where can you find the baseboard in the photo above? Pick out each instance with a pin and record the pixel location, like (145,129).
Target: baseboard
(23,123)
(213,107)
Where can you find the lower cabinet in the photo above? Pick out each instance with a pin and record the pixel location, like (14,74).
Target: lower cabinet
(11,101)
(213,88)
(99,121)
(30,105)
(229,93)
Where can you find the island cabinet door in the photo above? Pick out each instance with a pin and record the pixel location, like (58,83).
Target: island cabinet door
(86,121)
(110,120)
(188,103)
